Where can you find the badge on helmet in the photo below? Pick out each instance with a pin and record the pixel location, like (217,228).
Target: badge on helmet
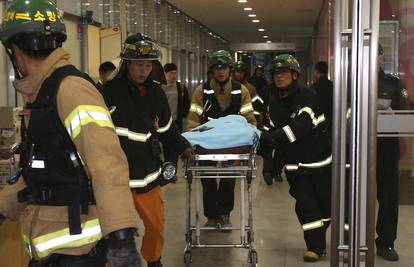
(239,66)
(285,61)
(221,59)
(140,47)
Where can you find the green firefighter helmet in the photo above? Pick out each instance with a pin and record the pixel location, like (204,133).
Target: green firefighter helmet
(34,24)
(220,59)
(239,66)
(285,61)
(140,47)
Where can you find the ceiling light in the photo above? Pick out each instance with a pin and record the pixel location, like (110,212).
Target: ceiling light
(268,42)
(252,15)
(247,9)
(265,36)
(255,20)
(242,1)
(261,30)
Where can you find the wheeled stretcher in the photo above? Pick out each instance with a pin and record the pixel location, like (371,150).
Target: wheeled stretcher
(238,163)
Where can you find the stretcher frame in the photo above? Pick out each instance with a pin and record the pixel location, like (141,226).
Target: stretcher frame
(223,169)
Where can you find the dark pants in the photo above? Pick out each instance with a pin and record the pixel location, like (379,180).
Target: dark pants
(312,192)
(170,155)
(387,191)
(218,201)
(95,258)
(272,165)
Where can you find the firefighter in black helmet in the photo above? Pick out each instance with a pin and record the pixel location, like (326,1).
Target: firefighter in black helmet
(143,122)
(300,135)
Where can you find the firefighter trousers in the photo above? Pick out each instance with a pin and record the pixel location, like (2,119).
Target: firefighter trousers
(312,192)
(387,192)
(150,207)
(218,201)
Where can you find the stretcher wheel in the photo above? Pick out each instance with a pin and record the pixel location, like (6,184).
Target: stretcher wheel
(187,258)
(253,258)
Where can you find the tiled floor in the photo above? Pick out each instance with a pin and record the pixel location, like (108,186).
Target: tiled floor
(279,239)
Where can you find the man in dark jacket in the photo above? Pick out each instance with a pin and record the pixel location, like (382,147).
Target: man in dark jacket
(391,96)
(142,119)
(324,87)
(300,134)
(179,101)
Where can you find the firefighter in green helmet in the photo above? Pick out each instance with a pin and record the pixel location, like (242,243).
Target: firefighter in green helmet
(73,209)
(299,137)
(219,97)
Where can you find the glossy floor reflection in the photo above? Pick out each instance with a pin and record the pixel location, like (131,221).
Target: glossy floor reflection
(279,238)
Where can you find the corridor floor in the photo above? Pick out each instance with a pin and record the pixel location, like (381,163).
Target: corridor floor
(279,238)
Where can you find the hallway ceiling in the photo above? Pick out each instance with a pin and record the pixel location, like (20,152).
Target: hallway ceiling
(283,21)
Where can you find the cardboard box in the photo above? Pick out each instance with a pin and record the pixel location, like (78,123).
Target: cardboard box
(5,171)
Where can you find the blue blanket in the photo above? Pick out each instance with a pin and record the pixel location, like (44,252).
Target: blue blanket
(226,132)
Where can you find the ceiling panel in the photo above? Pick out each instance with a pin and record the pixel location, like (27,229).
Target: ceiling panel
(282,20)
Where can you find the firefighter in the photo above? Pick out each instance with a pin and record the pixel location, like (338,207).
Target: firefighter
(218,98)
(260,82)
(300,135)
(68,198)
(240,75)
(392,95)
(142,118)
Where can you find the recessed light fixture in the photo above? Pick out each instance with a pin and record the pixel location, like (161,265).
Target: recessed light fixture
(261,30)
(242,1)
(268,42)
(252,15)
(265,36)
(255,20)
(247,9)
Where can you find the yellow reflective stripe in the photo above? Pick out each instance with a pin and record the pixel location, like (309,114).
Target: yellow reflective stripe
(257,98)
(85,114)
(135,183)
(310,112)
(271,123)
(322,163)
(326,219)
(196,109)
(27,246)
(166,127)
(289,133)
(134,136)
(318,164)
(256,112)
(46,244)
(312,225)
(246,108)
(236,92)
(266,128)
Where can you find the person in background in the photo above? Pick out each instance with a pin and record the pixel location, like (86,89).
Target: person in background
(324,87)
(105,70)
(179,102)
(392,95)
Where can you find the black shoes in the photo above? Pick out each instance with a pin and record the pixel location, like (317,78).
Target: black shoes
(388,254)
(268,178)
(211,223)
(224,222)
(155,264)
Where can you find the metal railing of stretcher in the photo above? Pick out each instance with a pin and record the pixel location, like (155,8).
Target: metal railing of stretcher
(221,166)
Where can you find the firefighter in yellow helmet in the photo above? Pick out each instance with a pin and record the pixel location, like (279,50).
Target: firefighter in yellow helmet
(74,210)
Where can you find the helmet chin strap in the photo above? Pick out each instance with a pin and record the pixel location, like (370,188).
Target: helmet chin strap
(17,74)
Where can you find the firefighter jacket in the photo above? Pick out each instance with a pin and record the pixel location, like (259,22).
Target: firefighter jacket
(142,118)
(324,87)
(81,109)
(258,103)
(210,100)
(298,130)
